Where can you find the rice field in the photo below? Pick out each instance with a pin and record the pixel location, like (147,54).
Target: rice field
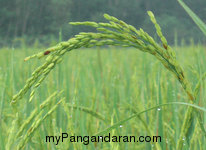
(98,88)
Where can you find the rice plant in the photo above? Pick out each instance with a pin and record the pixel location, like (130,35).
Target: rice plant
(114,33)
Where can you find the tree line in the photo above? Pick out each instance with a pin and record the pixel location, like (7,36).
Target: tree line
(43,19)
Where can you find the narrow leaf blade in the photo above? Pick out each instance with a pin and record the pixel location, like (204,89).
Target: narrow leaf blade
(194,17)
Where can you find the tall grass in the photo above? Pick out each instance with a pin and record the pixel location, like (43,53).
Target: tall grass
(115,89)
(123,77)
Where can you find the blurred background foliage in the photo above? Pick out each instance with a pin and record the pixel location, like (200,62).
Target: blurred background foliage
(39,22)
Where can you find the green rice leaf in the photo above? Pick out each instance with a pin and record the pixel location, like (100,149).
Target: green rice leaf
(194,17)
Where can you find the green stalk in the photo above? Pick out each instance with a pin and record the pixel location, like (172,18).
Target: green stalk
(185,130)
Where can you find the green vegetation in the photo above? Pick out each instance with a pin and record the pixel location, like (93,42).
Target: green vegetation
(108,95)
(31,21)
(103,89)
(114,83)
